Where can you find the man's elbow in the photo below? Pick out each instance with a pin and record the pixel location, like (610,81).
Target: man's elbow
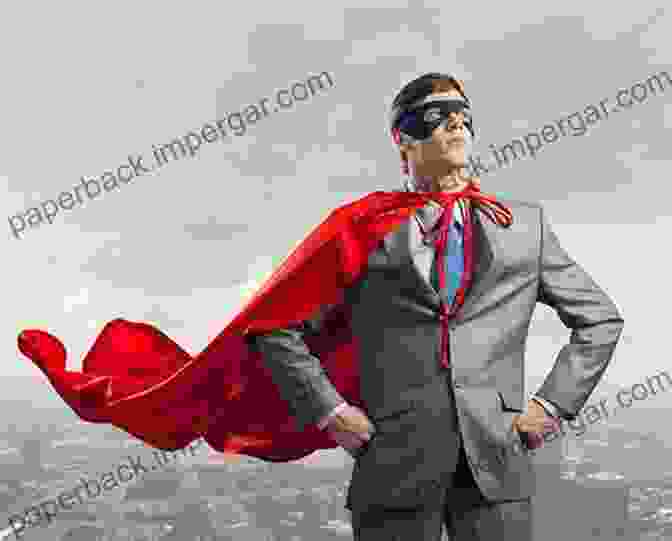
(617,322)
(612,328)
(612,319)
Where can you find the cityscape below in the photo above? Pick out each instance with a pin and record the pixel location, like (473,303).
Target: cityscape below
(609,483)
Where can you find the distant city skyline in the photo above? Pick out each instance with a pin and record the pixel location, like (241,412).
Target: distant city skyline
(589,460)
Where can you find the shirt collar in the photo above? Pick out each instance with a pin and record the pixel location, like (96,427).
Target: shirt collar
(431,212)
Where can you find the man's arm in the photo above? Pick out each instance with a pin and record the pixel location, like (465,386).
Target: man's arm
(592,316)
(301,380)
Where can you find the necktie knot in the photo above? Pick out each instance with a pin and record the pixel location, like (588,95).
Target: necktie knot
(493,209)
(446,225)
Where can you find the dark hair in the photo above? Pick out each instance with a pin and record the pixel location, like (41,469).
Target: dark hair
(425,85)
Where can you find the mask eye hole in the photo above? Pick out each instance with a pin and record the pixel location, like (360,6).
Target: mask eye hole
(433,115)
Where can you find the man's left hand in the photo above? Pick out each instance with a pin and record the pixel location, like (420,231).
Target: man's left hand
(535,420)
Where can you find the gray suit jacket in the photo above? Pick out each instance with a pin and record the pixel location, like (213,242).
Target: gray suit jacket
(395,317)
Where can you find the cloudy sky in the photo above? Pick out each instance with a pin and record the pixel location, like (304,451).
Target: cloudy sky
(84,85)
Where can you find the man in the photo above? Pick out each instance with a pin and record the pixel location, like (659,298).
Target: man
(439,408)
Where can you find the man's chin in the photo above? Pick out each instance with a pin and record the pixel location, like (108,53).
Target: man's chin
(446,165)
(454,162)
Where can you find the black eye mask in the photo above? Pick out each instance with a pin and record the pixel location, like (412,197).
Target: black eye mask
(422,121)
(418,123)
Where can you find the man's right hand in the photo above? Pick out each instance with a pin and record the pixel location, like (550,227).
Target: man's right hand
(351,429)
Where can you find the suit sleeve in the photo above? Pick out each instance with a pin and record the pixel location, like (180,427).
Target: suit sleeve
(298,374)
(592,316)
(551,409)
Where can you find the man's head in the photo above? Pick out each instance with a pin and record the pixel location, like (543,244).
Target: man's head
(431,123)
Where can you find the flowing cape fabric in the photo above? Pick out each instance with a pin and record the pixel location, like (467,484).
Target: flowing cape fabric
(137,379)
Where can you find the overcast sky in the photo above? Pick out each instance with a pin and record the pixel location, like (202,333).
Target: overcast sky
(86,84)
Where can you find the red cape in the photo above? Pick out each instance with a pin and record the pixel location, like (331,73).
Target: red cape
(137,379)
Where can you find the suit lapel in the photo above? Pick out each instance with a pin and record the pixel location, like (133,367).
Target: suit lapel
(407,251)
(485,261)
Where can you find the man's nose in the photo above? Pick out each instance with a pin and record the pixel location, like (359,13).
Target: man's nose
(455,121)
(456,117)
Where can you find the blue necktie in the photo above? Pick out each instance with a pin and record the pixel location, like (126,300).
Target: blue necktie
(454,264)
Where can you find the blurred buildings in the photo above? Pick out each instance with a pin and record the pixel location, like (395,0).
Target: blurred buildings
(589,487)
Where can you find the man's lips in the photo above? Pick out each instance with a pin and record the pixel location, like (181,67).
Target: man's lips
(454,141)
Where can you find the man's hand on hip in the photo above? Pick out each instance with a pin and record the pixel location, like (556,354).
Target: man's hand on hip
(534,423)
(351,429)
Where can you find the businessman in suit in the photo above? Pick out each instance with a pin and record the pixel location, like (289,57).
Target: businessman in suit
(429,428)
